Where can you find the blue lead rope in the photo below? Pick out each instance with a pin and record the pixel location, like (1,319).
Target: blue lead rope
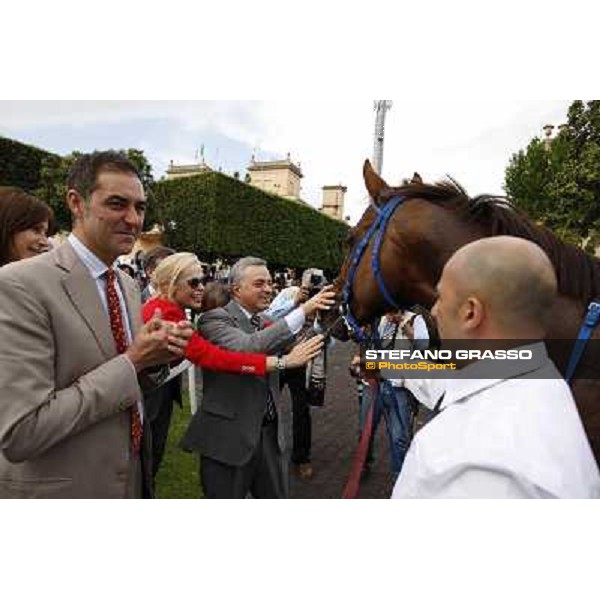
(592,318)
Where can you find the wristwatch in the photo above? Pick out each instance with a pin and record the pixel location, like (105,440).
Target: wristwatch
(280,364)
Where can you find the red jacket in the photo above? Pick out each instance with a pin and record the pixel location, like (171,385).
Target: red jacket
(200,351)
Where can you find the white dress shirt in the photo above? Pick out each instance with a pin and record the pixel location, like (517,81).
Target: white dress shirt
(502,438)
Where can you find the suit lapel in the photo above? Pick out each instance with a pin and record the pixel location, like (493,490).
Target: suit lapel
(241,320)
(133,304)
(81,288)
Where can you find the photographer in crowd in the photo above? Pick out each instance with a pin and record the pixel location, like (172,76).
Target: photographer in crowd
(306,389)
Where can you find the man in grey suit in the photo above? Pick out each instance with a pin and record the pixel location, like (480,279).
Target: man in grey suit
(72,347)
(237,430)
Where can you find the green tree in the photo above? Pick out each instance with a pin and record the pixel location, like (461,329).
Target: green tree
(559,184)
(20,164)
(53,184)
(53,187)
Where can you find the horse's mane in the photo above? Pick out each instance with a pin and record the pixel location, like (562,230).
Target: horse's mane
(578,273)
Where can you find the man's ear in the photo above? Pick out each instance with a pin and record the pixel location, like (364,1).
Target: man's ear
(472,313)
(76,204)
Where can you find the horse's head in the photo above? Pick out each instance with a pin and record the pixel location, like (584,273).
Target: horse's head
(408,257)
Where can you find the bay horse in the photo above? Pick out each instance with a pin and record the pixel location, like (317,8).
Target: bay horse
(423,232)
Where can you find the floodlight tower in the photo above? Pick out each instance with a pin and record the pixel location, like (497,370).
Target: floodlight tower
(380,107)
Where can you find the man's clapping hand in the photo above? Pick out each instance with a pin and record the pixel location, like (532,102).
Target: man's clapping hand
(159,342)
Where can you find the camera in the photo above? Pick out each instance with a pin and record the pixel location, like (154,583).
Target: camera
(317,280)
(316,284)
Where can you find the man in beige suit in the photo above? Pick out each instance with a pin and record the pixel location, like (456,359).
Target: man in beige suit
(73,351)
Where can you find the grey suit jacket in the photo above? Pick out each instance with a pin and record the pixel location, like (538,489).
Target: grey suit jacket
(227,427)
(65,394)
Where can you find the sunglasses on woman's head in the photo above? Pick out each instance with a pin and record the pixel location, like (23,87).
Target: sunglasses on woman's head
(194,282)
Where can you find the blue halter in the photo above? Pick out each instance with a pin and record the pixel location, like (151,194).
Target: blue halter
(592,318)
(376,229)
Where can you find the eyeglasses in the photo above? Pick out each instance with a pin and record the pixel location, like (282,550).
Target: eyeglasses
(194,282)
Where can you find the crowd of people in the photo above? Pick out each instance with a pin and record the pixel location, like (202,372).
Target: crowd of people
(84,364)
(208,288)
(88,347)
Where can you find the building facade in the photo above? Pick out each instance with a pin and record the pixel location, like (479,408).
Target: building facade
(177,171)
(281,177)
(333,201)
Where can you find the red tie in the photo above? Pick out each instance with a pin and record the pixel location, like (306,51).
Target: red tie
(118,331)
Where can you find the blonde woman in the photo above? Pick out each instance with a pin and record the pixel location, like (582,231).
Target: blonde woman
(178,281)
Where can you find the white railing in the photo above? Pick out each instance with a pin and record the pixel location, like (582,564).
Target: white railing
(186,365)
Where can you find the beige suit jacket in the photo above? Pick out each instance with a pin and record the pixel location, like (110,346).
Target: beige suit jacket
(65,394)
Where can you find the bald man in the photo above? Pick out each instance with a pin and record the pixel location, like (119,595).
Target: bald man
(517,436)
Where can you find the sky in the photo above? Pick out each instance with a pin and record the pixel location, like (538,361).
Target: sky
(471,140)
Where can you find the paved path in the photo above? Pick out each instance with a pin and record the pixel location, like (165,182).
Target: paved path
(335,437)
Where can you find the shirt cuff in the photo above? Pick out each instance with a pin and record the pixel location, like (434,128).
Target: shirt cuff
(295,320)
(139,403)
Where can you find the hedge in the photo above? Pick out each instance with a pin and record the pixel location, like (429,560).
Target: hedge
(21,164)
(216,215)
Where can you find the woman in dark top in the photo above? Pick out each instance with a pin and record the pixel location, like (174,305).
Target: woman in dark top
(25,223)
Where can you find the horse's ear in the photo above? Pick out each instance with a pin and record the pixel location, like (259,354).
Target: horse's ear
(374,183)
(416,178)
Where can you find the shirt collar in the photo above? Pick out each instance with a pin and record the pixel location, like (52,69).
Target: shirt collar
(93,264)
(246,313)
(474,378)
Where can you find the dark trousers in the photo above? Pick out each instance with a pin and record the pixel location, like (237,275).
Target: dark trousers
(301,419)
(263,476)
(158,409)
